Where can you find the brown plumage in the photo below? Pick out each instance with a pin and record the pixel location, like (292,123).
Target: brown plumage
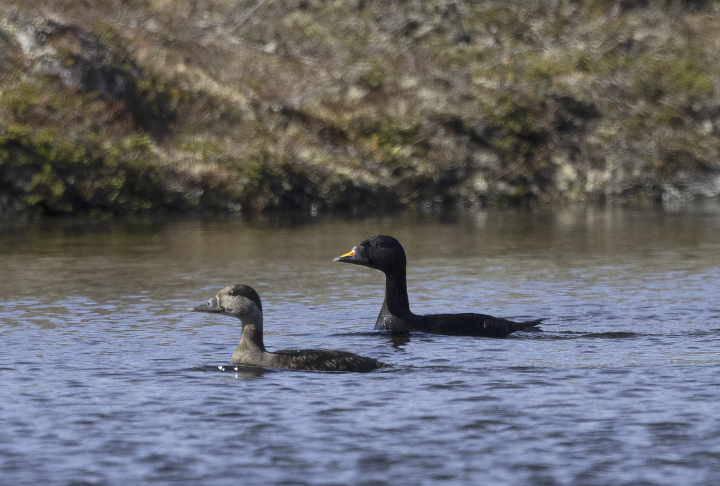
(243,302)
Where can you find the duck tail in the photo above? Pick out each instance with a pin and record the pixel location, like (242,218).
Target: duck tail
(532,325)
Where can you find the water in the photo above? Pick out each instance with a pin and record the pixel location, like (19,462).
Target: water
(105,377)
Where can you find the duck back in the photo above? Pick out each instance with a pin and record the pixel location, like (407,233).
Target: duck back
(322,360)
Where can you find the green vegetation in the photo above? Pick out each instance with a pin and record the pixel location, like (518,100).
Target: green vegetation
(178,105)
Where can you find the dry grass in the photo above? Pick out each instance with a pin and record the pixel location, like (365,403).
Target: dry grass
(271,104)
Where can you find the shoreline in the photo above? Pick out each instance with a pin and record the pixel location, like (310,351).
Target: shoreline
(146,109)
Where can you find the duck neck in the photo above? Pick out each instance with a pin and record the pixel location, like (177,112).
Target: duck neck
(395,313)
(396,296)
(251,339)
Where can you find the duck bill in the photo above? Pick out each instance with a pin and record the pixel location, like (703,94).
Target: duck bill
(209,306)
(356,256)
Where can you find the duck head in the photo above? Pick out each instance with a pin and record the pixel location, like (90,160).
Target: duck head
(239,301)
(383,253)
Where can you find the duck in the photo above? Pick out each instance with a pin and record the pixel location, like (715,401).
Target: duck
(386,254)
(243,302)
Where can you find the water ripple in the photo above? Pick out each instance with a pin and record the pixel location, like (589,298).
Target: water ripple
(107,379)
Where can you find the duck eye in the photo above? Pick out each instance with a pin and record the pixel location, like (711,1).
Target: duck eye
(233,292)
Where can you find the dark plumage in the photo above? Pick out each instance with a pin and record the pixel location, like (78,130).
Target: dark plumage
(386,254)
(243,302)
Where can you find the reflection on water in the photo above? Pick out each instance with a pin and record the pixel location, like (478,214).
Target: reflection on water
(397,340)
(108,379)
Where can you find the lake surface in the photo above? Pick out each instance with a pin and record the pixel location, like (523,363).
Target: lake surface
(106,378)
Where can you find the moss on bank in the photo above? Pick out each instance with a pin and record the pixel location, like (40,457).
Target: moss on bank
(225,106)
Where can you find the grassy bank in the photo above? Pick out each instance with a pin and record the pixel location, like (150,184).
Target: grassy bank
(172,105)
